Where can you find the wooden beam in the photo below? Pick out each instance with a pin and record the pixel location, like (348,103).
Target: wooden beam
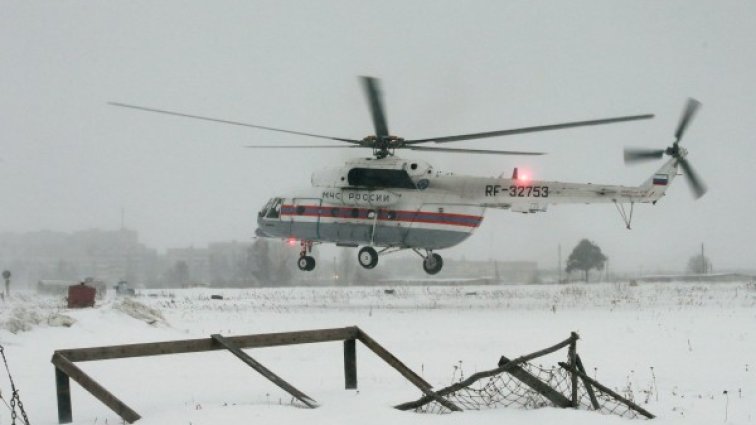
(207,344)
(541,353)
(350,364)
(89,384)
(393,361)
(542,388)
(63,392)
(602,388)
(588,387)
(405,371)
(267,373)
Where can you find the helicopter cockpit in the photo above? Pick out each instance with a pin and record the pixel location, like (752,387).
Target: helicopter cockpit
(272,209)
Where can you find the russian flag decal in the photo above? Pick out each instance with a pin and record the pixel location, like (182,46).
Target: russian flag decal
(661,179)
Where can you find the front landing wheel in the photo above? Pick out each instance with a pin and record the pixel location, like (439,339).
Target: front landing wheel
(367,257)
(306,263)
(433,263)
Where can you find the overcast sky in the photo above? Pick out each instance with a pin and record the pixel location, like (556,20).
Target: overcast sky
(68,161)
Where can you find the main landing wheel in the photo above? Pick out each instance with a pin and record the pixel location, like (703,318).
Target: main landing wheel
(306,263)
(367,257)
(433,263)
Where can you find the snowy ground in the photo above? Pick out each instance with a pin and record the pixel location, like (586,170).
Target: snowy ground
(677,347)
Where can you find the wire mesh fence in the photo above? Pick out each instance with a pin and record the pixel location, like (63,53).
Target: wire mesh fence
(523,384)
(504,390)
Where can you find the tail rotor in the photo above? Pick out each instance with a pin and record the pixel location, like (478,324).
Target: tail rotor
(635,155)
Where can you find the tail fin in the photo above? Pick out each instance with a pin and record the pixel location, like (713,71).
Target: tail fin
(658,183)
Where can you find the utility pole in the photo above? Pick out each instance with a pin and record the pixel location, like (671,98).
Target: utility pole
(559,262)
(7,276)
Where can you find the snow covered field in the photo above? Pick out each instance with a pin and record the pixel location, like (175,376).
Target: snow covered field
(685,351)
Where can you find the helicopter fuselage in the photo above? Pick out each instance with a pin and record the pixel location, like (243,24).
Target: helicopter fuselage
(394,202)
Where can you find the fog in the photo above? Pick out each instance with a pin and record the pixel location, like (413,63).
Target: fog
(69,161)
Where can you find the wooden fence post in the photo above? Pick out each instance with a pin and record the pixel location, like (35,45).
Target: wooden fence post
(120,408)
(573,363)
(350,364)
(606,390)
(63,389)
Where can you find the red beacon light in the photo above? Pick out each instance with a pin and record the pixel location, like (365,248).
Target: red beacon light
(291,241)
(520,178)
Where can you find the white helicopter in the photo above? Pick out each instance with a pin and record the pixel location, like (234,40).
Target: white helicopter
(394,204)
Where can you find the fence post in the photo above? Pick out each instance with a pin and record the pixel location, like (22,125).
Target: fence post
(350,364)
(588,387)
(572,353)
(63,389)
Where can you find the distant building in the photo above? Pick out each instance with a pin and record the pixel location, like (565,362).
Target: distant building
(220,264)
(104,255)
(196,260)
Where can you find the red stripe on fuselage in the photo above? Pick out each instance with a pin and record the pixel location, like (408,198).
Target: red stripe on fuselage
(451,219)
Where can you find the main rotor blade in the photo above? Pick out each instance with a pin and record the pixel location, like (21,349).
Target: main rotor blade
(480,151)
(640,154)
(696,184)
(302,146)
(446,139)
(260,127)
(690,110)
(373,93)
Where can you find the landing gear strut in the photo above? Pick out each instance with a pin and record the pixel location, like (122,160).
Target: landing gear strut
(432,262)
(306,262)
(367,257)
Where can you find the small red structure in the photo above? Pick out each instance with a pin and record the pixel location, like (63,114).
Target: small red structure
(81,295)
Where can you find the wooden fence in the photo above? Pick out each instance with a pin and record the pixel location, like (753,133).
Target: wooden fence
(66,369)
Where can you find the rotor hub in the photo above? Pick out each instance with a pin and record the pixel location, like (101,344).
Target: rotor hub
(382,146)
(676,151)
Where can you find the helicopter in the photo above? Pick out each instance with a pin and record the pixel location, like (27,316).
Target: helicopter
(384,203)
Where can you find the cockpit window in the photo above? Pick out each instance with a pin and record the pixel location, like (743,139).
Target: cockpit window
(372,177)
(272,209)
(264,209)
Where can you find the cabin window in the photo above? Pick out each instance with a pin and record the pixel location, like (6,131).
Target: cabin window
(391,215)
(372,177)
(371,214)
(334,212)
(355,213)
(300,209)
(413,166)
